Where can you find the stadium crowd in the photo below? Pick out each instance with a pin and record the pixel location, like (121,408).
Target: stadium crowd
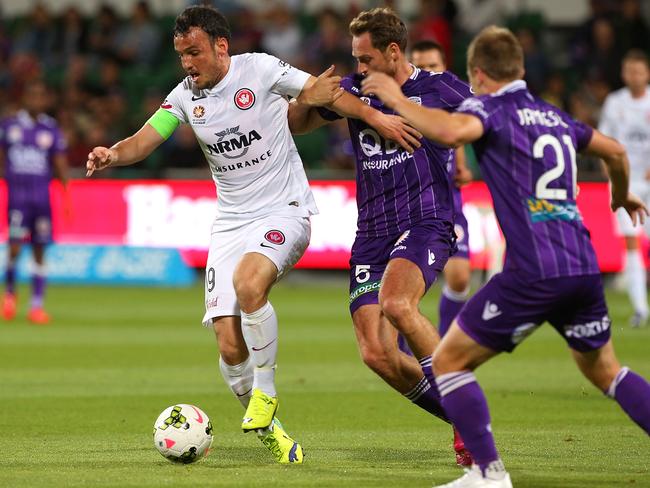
(109,73)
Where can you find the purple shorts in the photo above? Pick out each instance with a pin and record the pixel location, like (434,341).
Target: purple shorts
(508,309)
(33,221)
(462,236)
(428,245)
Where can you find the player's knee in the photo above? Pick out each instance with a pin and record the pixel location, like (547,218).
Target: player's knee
(458,282)
(395,308)
(251,294)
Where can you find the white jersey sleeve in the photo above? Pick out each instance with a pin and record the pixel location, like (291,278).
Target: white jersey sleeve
(174,101)
(608,123)
(283,78)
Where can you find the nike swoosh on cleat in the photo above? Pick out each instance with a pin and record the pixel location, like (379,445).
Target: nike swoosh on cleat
(199,419)
(244,394)
(262,348)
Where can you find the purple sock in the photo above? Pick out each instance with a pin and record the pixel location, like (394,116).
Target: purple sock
(10,278)
(632,393)
(451,303)
(38,290)
(466,406)
(426,397)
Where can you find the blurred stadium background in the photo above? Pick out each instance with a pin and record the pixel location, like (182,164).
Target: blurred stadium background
(115,357)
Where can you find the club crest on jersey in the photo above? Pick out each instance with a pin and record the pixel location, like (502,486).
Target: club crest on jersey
(166,105)
(274,237)
(44,140)
(231,140)
(244,98)
(199,111)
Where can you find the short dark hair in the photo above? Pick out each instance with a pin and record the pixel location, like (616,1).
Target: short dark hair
(206,18)
(384,26)
(636,55)
(498,53)
(429,45)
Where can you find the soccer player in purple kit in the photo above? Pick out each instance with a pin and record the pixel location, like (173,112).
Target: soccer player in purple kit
(429,55)
(526,149)
(405,223)
(32,150)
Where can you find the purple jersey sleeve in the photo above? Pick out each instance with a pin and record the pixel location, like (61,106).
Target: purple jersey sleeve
(453,91)
(59,146)
(584,133)
(478,108)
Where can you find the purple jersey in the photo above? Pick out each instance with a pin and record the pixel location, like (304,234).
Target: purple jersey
(527,156)
(395,189)
(29,146)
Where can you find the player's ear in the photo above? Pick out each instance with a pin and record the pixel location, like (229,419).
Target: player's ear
(221,45)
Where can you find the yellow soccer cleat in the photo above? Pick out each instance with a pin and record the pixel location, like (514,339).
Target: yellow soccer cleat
(260,412)
(284,448)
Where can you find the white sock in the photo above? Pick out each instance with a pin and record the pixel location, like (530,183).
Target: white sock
(239,378)
(636,282)
(260,329)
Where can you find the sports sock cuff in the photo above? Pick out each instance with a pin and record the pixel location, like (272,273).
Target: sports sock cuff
(611,391)
(417,391)
(449,382)
(234,369)
(456,296)
(259,315)
(425,361)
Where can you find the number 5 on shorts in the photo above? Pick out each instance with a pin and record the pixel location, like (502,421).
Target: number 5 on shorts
(362,273)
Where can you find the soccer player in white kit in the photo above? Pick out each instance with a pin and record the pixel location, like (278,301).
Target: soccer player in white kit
(626,117)
(237,107)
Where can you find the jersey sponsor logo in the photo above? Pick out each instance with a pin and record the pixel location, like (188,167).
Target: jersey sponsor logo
(245,164)
(199,111)
(590,329)
(275,237)
(233,140)
(490,311)
(244,98)
(542,210)
(363,289)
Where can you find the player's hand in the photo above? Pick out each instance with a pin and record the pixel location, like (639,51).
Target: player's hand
(635,208)
(463,176)
(396,128)
(382,86)
(100,158)
(324,91)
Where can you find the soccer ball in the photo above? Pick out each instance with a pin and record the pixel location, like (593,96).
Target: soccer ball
(183,433)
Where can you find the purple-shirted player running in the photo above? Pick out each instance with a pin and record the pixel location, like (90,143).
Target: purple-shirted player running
(32,148)
(527,151)
(405,223)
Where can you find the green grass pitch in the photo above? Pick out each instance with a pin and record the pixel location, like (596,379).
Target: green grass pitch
(79,397)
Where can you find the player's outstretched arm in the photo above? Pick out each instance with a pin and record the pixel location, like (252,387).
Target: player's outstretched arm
(317,92)
(618,168)
(127,151)
(449,129)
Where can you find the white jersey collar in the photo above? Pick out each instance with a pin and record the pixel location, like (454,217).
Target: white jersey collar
(513,86)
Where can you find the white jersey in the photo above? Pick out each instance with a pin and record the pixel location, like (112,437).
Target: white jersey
(241,125)
(627,119)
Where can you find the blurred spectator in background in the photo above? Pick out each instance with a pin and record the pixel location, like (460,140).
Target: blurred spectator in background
(555,90)
(103,40)
(431,23)
(633,29)
(282,36)
(535,61)
(246,36)
(477,14)
(603,59)
(139,40)
(71,38)
(329,44)
(38,36)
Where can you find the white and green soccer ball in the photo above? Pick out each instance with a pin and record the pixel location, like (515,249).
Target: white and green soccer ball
(183,433)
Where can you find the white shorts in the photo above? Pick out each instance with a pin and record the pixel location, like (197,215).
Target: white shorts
(625,227)
(281,239)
